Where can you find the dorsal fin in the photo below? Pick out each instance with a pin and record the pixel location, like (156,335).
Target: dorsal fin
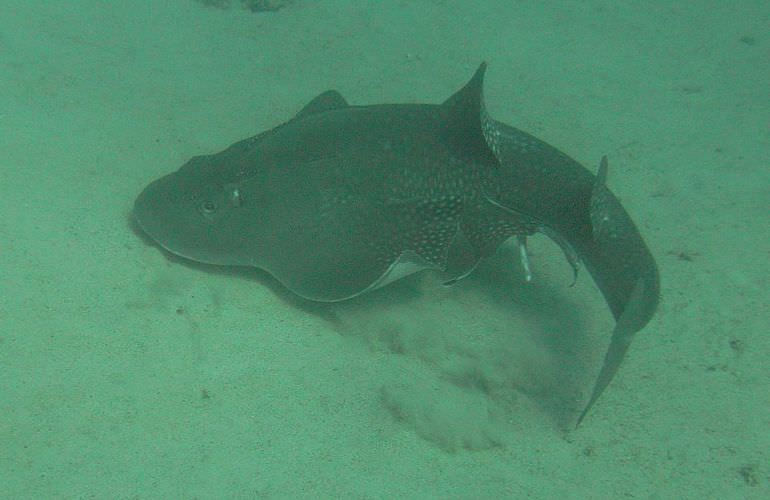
(599,194)
(469,130)
(326,101)
(601,174)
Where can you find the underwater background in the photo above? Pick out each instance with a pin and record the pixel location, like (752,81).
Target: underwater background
(126,373)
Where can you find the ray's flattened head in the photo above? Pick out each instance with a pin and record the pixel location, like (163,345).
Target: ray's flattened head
(194,214)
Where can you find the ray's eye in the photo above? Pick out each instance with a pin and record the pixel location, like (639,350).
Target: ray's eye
(208,207)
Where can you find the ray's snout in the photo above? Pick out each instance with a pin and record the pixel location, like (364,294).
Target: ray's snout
(149,209)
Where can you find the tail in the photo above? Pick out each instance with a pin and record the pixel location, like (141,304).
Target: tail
(578,211)
(624,270)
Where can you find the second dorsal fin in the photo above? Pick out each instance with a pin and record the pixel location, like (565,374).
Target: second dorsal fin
(326,101)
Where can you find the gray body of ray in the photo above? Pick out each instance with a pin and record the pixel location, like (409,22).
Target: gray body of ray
(344,199)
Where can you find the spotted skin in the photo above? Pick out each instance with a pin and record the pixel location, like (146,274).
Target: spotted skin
(344,199)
